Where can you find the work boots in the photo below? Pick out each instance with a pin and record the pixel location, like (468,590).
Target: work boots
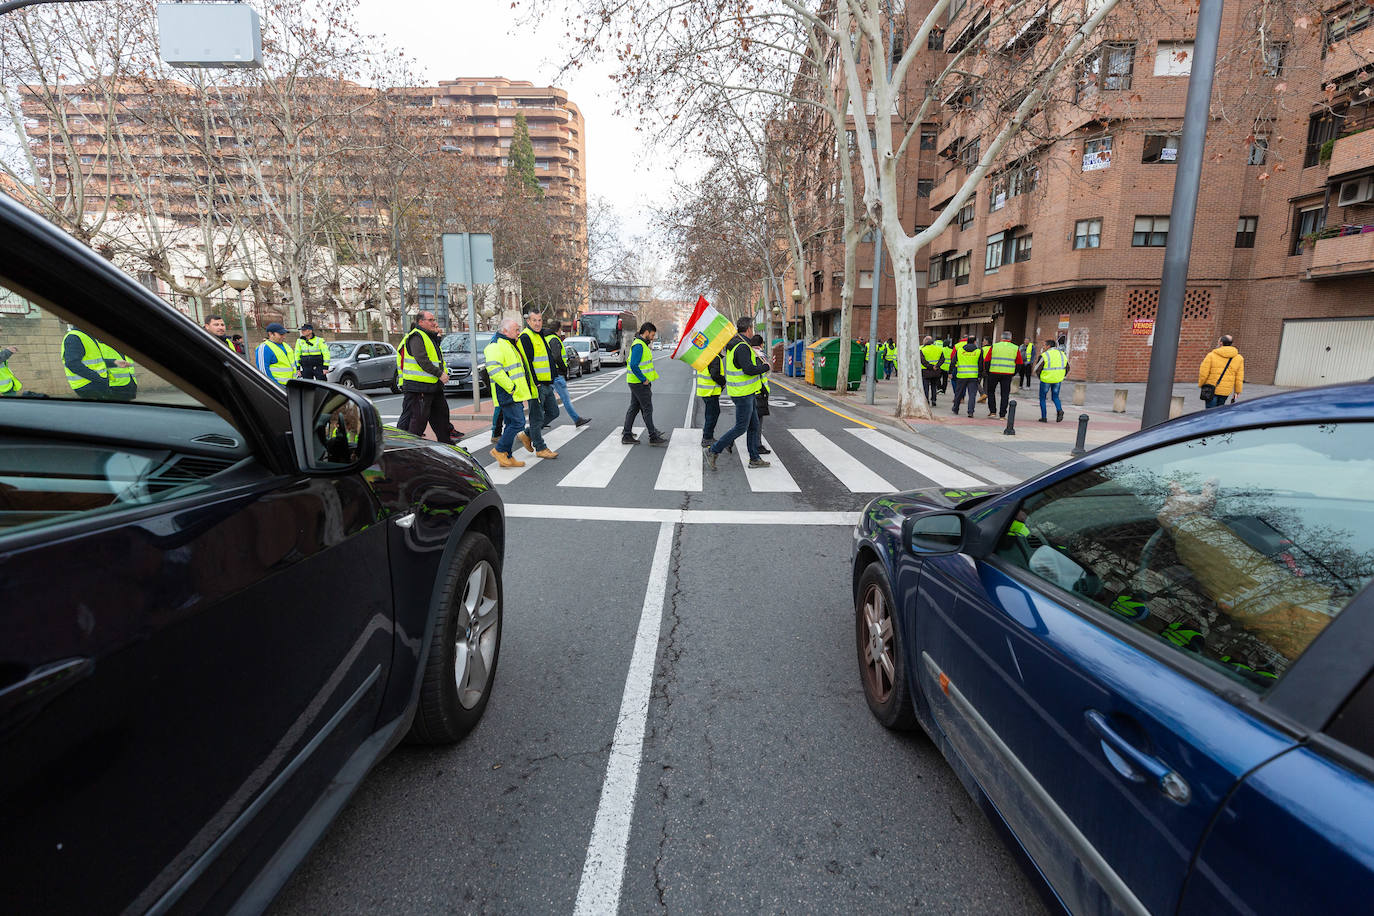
(505,460)
(525,441)
(546,453)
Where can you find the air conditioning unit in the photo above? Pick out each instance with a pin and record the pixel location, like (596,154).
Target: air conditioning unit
(1356,191)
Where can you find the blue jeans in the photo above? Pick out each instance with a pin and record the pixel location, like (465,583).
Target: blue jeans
(709,416)
(560,385)
(1216,400)
(1052,389)
(746,424)
(543,409)
(513,416)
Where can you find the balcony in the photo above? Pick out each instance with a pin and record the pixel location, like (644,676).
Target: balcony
(1353,152)
(1343,255)
(945,189)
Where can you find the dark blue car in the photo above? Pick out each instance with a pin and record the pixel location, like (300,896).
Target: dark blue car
(1155,664)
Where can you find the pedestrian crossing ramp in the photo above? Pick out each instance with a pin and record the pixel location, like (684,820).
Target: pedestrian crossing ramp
(858,460)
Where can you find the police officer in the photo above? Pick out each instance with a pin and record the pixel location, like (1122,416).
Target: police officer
(710,383)
(640,375)
(967,358)
(1001,369)
(119,373)
(512,385)
(312,353)
(85,363)
(274,358)
(932,354)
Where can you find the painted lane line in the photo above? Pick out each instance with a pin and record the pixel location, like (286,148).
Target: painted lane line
(603,872)
(477,440)
(691,405)
(681,468)
(777,518)
(773,479)
(615,377)
(597,469)
(555,438)
(856,476)
(937,471)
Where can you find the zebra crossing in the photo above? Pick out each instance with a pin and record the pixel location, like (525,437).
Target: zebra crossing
(681,464)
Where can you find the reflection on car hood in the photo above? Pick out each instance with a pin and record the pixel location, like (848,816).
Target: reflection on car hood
(938,498)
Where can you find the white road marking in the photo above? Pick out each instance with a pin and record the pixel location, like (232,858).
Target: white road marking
(555,438)
(856,476)
(477,439)
(691,401)
(777,518)
(773,479)
(937,471)
(597,469)
(603,872)
(614,377)
(681,468)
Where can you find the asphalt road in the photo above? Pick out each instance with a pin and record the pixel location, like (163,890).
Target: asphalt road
(677,723)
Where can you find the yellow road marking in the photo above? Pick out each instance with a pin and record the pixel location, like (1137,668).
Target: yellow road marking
(774,381)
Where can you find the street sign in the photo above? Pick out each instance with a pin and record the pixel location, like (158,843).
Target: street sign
(464,248)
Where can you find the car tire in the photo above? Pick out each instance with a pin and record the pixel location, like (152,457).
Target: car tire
(348,380)
(454,693)
(395,385)
(882,659)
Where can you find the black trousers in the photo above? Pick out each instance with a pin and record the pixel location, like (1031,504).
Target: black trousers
(932,388)
(313,367)
(641,402)
(428,407)
(999,382)
(944,382)
(1023,371)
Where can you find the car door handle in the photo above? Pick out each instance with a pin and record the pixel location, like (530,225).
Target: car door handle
(1174,786)
(39,687)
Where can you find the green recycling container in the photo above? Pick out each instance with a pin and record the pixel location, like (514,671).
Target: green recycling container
(823,363)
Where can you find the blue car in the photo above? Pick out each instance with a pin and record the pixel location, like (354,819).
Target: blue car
(1154,665)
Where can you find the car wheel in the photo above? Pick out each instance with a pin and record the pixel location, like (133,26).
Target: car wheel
(348,381)
(882,662)
(465,647)
(395,385)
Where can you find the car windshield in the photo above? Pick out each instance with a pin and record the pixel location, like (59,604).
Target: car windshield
(581,346)
(338,350)
(457,342)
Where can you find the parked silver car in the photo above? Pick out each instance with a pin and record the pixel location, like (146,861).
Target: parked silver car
(363,364)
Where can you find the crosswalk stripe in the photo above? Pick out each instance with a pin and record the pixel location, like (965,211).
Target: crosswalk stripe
(847,469)
(555,438)
(937,471)
(477,439)
(773,479)
(681,469)
(597,469)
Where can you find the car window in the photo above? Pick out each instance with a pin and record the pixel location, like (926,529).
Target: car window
(339,350)
(384,349)
(1236,549)
(1354,724)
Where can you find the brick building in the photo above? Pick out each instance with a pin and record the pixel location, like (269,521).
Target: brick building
(1065,237)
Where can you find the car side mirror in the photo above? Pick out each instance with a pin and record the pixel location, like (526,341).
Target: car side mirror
(364,356)
(935,533)
(334,430)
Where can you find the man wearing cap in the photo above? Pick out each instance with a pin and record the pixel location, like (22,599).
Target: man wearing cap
(274,358)
(312,354)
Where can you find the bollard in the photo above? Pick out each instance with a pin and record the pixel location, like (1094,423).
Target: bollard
(1176,406)
(1119,402)
(1011,419)
(1080,394)
(1078,447)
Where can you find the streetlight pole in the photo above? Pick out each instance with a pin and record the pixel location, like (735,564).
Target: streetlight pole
(240,281)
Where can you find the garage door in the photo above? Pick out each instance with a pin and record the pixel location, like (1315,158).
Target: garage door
(1323,351)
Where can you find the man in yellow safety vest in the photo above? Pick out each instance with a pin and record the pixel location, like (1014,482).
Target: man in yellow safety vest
(1001,370)
(710,384)
(512,384)
(274,358)
(85,362)
(1051,367)
(932,354)
(423,375)
(744,373)
(967,358)
(544,406)
(312,354)
(640,375)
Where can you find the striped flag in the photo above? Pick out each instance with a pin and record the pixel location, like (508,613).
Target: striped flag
(706,334)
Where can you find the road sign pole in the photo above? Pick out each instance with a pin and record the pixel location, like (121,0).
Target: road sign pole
(472,324)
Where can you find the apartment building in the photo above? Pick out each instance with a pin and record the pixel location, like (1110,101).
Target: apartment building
(1065,238)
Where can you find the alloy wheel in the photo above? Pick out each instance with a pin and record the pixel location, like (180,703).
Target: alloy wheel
(476,634)
(876,644)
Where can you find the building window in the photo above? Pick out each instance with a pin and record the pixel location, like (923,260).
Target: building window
(1173,58)
(1258,150)
(1342,25)
(993,257)
(1023,248)
(1307,221)
(936,267)
(1097,154)
(1322,127)
(505,103)
(1108,67)
(928,137)
(1160,148)
(968,153)
(1245,231)
(965,216)
(1274,54)
(1150,232)
(959,268)
(1087,233)
(924,186)
(935,40)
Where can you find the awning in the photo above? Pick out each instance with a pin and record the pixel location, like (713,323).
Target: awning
(954,322)
(1025,27)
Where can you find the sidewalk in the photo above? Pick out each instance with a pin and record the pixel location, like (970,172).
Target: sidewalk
(980,445)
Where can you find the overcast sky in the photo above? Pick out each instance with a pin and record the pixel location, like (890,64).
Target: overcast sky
(487,38)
